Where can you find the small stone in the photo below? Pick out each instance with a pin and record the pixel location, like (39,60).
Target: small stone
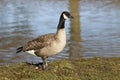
(36,67)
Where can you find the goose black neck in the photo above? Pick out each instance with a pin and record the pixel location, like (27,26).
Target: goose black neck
(61,24)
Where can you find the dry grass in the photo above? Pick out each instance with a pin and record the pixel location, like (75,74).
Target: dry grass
(84,69)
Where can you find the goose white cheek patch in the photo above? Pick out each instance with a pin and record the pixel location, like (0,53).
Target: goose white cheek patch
(65,17)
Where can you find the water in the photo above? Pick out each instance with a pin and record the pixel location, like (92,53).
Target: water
(94,31)
(100,24)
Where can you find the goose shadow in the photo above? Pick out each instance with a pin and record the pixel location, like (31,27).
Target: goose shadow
(39,66)
(36,65)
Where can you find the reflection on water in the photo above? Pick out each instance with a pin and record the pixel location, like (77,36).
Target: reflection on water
(75,37)
(93,32)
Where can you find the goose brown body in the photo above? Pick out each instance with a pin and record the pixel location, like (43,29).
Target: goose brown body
(47,45)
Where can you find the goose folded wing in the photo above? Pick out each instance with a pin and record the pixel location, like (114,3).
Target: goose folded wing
(39,42)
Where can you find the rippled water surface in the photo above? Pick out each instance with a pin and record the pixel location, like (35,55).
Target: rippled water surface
(94,31)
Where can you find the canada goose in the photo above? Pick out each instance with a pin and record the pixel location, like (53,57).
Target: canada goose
(48,44)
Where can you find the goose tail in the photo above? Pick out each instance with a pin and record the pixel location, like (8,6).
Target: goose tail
(19,49)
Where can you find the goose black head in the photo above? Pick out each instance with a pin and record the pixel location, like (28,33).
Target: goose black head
(66,15)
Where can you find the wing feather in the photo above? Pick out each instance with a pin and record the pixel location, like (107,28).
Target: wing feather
(39,42)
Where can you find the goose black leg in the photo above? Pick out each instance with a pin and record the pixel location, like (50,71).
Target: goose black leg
(45,64)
